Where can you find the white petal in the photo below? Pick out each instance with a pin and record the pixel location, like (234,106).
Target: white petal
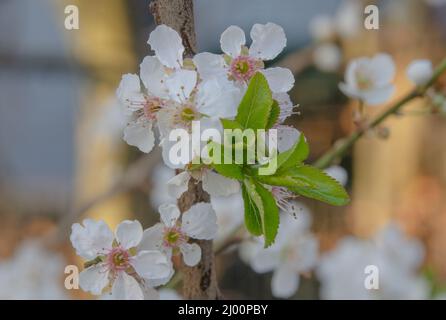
(218,97)
(349,90)
(152,238)
(178,184)
(129,233)
(125,287)
(210,65)
(200,222)
(153,76)
(232,40)
(191,253)
(279,79)
(151,264)
(217,185)
(94,279)
(327,57)
(265,260)
(287,136)
(378,95)
(285,282)
(169,214)
(268,40)
(383,68)
(420,71)
(139,134)
(129,92)
(285,104)
(180,84)
(92,239)
(167,45)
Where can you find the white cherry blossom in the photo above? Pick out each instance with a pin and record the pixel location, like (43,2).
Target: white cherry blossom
(370,79)
(420,71)
(172,234)
(114,260)
(294,252)
(240,63)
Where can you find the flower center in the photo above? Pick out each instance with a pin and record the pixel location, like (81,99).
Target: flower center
(173,237)
(118,259)
(284,201)
(151,107)
(363,81)
(188,114)
(243,68)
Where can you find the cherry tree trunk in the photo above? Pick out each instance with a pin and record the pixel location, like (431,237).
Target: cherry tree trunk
(199,282)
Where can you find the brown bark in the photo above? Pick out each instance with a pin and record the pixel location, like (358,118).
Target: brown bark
(199,282)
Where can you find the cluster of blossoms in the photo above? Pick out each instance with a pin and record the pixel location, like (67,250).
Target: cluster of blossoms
(397,259)
(131,262)
(294,252)
(169,93)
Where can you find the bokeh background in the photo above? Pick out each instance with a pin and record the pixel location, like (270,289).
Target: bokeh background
(62,157)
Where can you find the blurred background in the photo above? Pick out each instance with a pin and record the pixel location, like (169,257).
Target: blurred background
(62,157)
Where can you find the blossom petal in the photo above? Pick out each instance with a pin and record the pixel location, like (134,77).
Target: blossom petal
(285,282)
(126,287)
(265,260)
(287,136)
(378,95)
(153,76)
(180,84)
(279,79)
(152,238)
(169,214)
(200,222)
(94,279)
(151,264)
(191,253)
(167,45)
(268,40)
(178,184)
(210,65)
(232,40)
(129,92)
(129,233)
(218,97)
(218,185)
(92,239)
(140,134)
(285,104)
(383,69)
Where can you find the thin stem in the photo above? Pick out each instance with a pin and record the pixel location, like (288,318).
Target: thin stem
(343,145)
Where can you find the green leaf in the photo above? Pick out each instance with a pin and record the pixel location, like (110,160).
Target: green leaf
(232,171)
(270,217)
(293,156)
(273,115)
(309,182)
(230,124)
(255,107)
(253,220)
(261,211)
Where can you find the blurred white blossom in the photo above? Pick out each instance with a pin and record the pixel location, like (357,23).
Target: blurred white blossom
(420,71)
(370,79)
(327,57)
(294,252)
(33,272)
(342,270)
